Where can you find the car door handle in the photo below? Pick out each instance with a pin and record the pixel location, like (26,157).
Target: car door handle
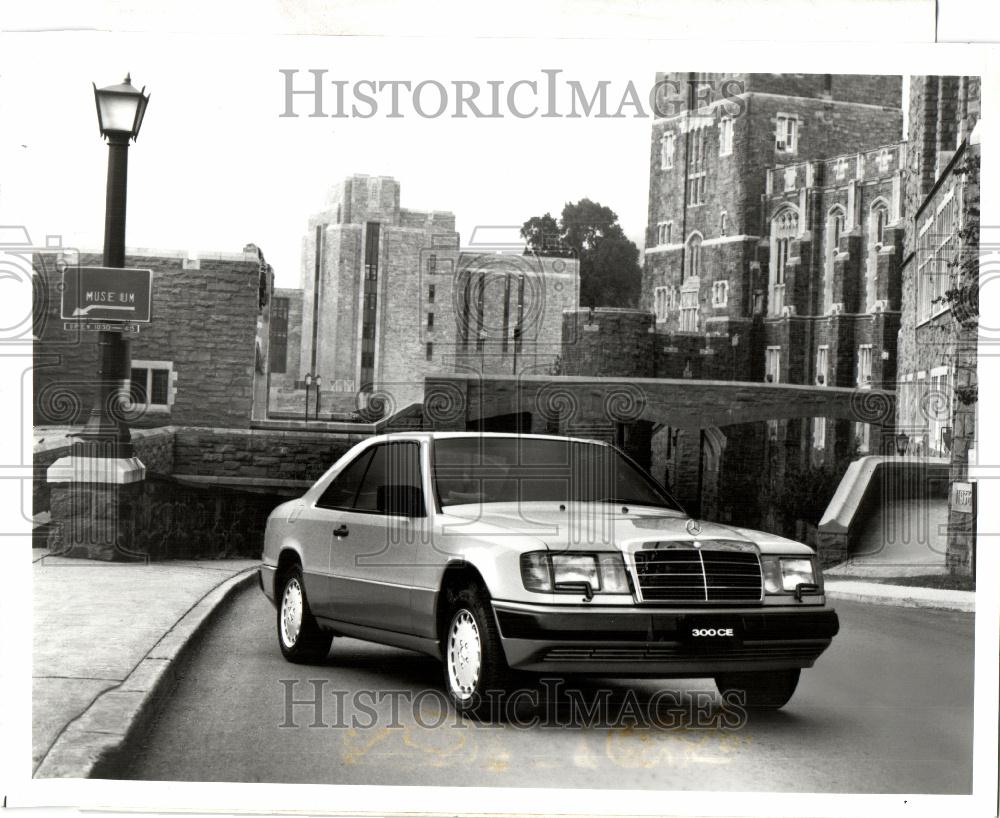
(340,531)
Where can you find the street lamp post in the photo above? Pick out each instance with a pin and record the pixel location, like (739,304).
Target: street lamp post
(95,492)
(120,111)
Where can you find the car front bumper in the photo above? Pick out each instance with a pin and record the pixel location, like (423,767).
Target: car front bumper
(659,642)
(265,579)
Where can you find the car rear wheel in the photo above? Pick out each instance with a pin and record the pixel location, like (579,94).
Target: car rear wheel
(301,639)
(764,690)
(476,675)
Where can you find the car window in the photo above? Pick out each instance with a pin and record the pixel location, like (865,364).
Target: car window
(512,469)
(341,492)
(393,464)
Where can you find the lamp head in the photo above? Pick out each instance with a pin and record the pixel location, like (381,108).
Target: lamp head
(120,109)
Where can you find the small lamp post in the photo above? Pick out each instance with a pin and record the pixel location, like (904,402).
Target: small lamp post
(120,111)
(902,442)
(309,380)
(319,382)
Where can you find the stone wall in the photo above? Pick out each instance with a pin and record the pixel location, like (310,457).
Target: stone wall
(608,343)
(154,447)
(204,326)
(265,455)
(158,519)
(207,492)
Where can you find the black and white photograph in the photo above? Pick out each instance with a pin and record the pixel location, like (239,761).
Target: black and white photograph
(497,425)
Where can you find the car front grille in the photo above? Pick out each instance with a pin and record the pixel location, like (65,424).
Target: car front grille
(716,572)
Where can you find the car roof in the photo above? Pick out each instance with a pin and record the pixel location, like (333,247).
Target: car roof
(438,435)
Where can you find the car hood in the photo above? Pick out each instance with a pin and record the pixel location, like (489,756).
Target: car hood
(590,526)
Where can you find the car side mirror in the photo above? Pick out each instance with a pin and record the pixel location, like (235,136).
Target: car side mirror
(405,501)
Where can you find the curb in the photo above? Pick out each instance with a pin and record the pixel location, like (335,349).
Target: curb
(91,741)
(901,598)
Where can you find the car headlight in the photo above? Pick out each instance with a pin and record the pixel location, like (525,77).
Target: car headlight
(566,568)
(544,572)
(785,574)
(797,572)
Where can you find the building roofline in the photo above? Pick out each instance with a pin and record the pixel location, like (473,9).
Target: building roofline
(749,94)
(182,255)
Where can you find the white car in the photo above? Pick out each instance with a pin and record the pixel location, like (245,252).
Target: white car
(501,552)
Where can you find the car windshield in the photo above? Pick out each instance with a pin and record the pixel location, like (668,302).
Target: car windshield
(525,469)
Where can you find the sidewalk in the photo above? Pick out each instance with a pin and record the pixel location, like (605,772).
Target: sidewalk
(905,596)
(105,635)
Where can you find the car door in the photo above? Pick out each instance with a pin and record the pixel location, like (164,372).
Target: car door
(374,554)
(319,525)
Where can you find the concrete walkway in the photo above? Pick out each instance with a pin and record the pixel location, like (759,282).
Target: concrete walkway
(105,635)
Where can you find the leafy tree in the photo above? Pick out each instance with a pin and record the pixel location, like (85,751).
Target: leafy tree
(610,275)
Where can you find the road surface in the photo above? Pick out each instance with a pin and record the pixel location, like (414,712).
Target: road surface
(887,709)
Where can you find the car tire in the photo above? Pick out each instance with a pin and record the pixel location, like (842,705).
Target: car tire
(476,675)
(300,637)
(764,690)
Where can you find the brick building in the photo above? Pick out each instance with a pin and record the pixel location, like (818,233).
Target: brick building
(398,299)
(201,361)
(938,332)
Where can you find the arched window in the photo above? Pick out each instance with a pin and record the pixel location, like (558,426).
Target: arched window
(784,228)
(692,263)
(878,219)
(834,230)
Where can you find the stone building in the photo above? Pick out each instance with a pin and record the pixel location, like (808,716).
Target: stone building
(398,299)
(770,255)
(201,361)
(835,250)
(707,231)
(938,333)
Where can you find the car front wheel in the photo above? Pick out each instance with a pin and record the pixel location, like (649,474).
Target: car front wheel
(302,640)
(764,690)
(476,675)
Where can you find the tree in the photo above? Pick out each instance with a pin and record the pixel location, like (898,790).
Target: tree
(610,275)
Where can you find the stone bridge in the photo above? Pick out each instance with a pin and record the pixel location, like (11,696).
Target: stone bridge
(541,403)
